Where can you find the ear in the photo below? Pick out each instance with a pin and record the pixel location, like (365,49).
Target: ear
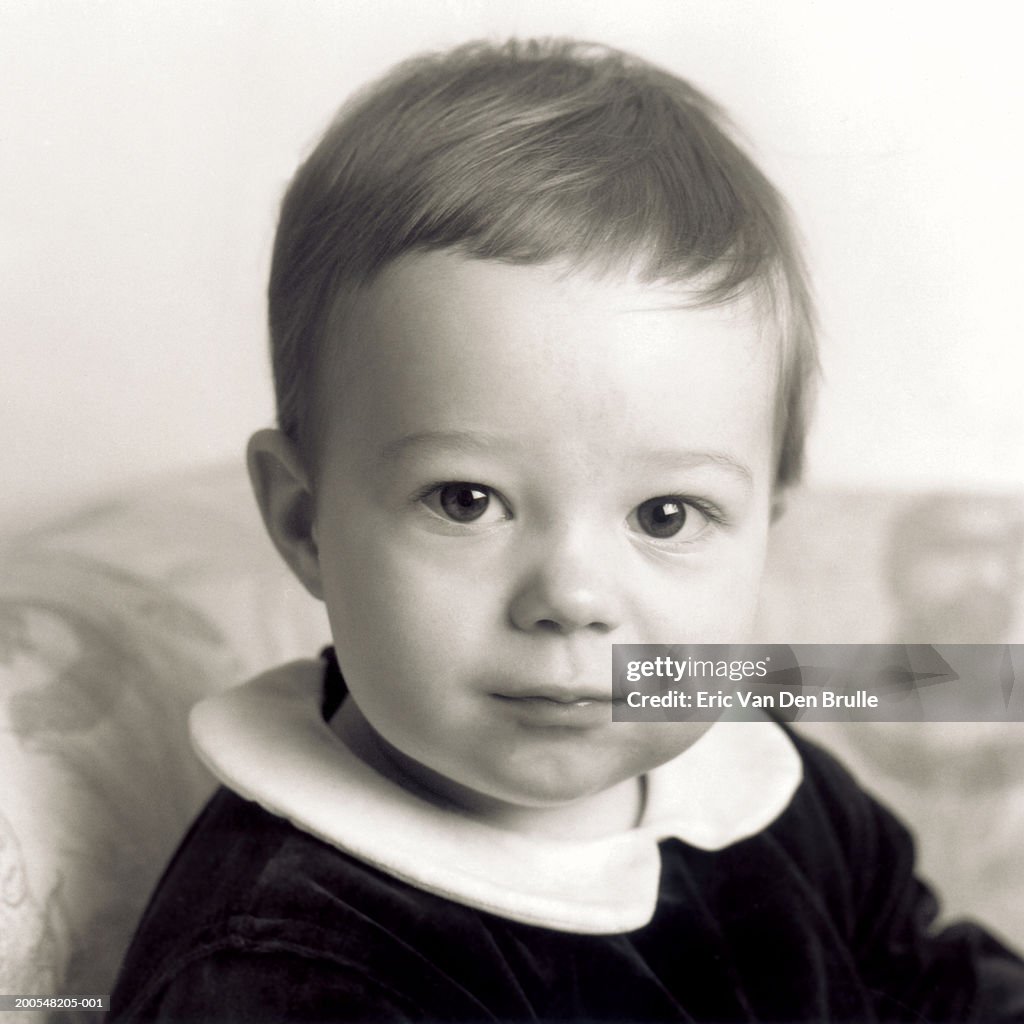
(285,498)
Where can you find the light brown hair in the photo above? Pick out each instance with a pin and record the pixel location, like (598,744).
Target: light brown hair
(531,152)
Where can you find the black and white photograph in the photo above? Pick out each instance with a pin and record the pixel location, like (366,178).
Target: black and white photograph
(371,371)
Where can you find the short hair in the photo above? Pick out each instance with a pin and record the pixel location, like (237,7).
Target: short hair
(532,152)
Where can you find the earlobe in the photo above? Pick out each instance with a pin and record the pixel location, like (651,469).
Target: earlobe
(285,497)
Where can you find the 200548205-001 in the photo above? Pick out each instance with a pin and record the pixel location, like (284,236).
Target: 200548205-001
(53,1002)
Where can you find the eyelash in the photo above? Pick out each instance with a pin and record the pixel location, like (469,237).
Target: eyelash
(710,511)
(436,489)
(712,515)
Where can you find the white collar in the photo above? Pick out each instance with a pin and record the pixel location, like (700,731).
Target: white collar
(268,741)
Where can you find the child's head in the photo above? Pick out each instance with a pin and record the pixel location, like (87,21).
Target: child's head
(532,153)
(543,346)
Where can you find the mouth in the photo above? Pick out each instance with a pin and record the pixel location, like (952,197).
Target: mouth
(558,708)
(556,696)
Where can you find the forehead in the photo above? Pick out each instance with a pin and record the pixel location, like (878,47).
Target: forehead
(542,354)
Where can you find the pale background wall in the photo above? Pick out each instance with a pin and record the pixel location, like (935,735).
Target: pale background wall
(144,145)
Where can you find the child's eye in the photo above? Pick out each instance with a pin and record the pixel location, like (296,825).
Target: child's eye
(463,502)
(670,517)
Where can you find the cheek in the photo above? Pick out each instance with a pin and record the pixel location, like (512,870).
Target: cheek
(713,603)
(737,600)
(399,619)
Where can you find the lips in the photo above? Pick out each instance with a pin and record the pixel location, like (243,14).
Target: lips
(561,708)
(556,696)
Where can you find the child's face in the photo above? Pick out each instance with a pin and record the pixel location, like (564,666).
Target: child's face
(521,468)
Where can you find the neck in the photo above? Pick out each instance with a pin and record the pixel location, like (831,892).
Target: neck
(608,812)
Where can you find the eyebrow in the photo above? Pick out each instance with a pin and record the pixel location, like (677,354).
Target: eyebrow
(670,458)
(439,440)
(473,441)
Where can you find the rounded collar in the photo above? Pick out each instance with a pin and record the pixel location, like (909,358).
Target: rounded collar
(268,741)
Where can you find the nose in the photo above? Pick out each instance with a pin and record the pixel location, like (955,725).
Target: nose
(571,585)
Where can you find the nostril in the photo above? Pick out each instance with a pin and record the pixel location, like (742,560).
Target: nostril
(549,625)
(554,626)
(551,604)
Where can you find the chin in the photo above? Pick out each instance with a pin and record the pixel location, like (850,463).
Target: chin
(542,789)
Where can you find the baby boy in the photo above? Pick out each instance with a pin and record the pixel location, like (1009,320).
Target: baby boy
(543,352)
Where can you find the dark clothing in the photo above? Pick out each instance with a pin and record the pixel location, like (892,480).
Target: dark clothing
(817,918)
